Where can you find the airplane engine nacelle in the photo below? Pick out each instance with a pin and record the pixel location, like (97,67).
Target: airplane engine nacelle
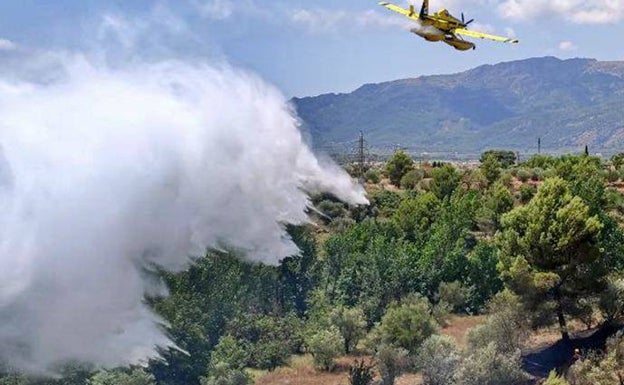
(427,34)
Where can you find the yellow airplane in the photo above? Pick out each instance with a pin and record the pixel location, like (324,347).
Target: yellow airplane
(442,26)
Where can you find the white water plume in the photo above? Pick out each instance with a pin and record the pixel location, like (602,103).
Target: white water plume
(107,172)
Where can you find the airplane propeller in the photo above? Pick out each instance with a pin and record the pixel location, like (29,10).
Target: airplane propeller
(466,23)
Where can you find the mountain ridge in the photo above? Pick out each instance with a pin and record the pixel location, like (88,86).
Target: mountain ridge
(568,103)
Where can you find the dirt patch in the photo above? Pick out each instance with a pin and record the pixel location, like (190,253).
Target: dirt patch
(459,326)
(302,372)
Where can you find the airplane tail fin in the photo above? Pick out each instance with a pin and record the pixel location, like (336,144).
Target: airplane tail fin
(412,11)
(424,11)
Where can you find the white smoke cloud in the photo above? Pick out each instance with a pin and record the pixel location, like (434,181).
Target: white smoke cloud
(216,9)
(567,46)
(107,172)
(331,20)
(7,45)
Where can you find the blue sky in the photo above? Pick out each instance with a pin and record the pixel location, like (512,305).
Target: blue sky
(310,47)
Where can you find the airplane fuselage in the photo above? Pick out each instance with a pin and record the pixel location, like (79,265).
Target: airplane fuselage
(443,21)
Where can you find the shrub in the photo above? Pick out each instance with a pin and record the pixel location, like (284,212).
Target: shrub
(617,160)
(487,366)
(223,374)
(392,362)
(439,360)
(454,294)
(613,176)
(524,175)
(386,201)
(441,313)
(270,354)
(332,209)
(373,176)
(475,180)
(553,379)
(407,325)
(537,174)
(411,179)
(527,192)
(351,324)
(506,327)
(341,225)
(506,179)
(361,374)
(325,346)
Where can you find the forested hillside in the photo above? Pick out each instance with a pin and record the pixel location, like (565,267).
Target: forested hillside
(527,248)
(568,103)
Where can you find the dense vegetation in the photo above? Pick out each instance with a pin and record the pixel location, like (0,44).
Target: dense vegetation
(532,245)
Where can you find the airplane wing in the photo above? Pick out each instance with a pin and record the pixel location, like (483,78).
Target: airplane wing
(397,9)
(481,35)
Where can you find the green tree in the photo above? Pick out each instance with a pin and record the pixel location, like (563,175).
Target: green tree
(399,165)
(416,215)
(445,180)
(482,275)
(271,340)
(444,255)
(296,273)
(541,161)
(491,168)
(496,201)
(549,251)
(202,300)
(125,377)
(505,158)
(407,325)
(351,324)
(385,202)
(230,351)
